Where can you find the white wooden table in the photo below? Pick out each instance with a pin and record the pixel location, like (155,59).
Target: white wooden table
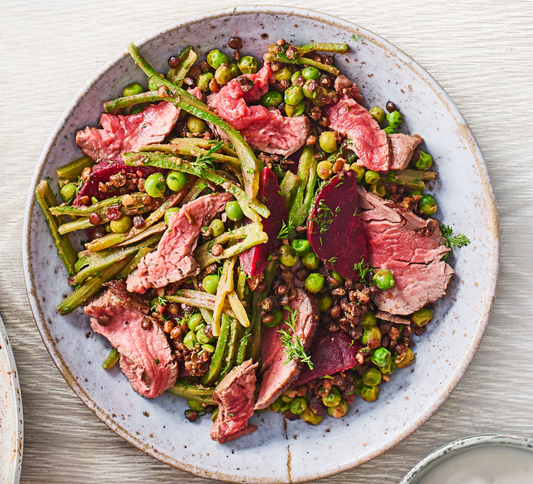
(482,54)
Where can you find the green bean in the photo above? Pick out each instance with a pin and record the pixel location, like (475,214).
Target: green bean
(46,199)
(288,187)
(196,393)
(249,207)
(191,150)
(199,299)
(231,348)
(187,58)
(211,376)
(99,208)
(323,47)
(250,166)
(188,144)
(413,179)
(129,268)
(90,287)
(111,360)
(74,169)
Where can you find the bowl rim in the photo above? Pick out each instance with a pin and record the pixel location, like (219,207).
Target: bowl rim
(461,445)
(462,125)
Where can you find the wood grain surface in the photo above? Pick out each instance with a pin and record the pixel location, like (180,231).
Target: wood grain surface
(479,51)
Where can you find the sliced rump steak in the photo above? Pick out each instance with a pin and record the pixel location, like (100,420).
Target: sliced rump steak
(235,398)
(343,85)
(145,355)
(173,260)
(280,374)
(330,353)
(402,147)
(353,120)
(127,133)
(411,248)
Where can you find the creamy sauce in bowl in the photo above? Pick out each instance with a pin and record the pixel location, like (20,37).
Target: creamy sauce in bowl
(484,465)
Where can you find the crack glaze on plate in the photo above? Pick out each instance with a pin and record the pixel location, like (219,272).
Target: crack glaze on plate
(11,422)
(283,452)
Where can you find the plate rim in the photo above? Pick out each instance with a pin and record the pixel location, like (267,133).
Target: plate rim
(462,125)
(14,377)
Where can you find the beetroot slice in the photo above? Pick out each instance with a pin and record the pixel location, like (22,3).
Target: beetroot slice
(102,173)
(330,353)
(255,260)
(335,230)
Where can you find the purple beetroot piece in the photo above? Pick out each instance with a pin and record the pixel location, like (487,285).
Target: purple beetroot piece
(335,231)
(255,260)
(330,353)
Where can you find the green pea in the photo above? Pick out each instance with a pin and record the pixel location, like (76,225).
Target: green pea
(378,189)
(324,169)
(248,65)
(427,205)
(425,161)
(310,89)
(314,282)
(371,333)
(210,283)
(196,125)
(234,211)
(294,95)
(369,394)
(196,406)
(215,59)
(371,177)
(283,74)
(295,76)
(311,261)
(333,398)
(234,70)
(68,192)
(217,227)
(321,97)
(223,74)
(278,318)
(372,377)
(422,317)
(369,320)
(378,114)
(381,357)
(284,407)
(407,359)
(203,81)
(195,321)
(294,111)
(338,278)
(388,368)
(209,348)
(389,130)
(394,119)
(359,171)
(340,410)
(155,185)
(298,405)
(131,89)
(276,406)
(328,141)
(311,72)
(123,224)
(358,380)
(288,256)
(176,181)
(383,279)
(190,340)
(308,416)
(108,228)
(325,302)
(271,99)
(286,398)
(301,246)
(169,213)
(202,338)
(415,193)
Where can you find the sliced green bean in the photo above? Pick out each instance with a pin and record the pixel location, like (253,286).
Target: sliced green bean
(412,178)
(327,47)
(187,58)
(111,360)
(206,313)
(211,376)
(206,144)
(179,149)
(75,168)
(99,208)
(90,287)
(132,265)
(196,393)
(289,186)
(46,200)
(231,349)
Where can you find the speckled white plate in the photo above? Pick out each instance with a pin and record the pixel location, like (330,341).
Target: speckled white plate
(282,451)
(11,423)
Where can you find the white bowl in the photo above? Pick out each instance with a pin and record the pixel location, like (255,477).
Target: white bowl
(284,451)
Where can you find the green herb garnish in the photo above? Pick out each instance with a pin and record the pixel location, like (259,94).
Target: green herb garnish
(294,349)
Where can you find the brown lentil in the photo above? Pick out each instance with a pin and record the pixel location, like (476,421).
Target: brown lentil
(217,250)
(85,200)
(146,324)
(103,320)
(390,106)
(235,43)
(86,173)
(138,221)
(213,85)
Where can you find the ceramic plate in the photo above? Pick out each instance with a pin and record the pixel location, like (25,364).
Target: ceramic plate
(11,424)
(284,451)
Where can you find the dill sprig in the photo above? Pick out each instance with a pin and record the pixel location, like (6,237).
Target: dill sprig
(363,269)
(206,160)
(158,301)
(324,217)
(294,349)
(284,231)
(459,240)
(283,55)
